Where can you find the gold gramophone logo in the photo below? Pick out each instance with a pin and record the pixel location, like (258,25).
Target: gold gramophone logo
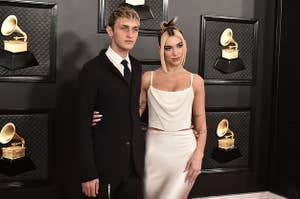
(13,160)
(226,136)
(8,135)
(18,43)
(229,62)
(226,150)
(230,50)
(15,54)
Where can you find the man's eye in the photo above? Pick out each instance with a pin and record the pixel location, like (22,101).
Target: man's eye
(136,30)
(124,28)
(167,48)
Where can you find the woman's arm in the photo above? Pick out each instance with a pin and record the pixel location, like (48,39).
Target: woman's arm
(199,116)
(144,87)
(194,164)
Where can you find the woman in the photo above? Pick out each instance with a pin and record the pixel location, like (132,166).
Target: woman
(176,101)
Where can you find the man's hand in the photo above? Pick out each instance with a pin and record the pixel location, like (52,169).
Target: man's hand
(96,118)
(91,188)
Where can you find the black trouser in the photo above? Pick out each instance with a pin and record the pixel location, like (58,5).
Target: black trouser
(130,187)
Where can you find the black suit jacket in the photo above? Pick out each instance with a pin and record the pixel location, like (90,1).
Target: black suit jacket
(108,149)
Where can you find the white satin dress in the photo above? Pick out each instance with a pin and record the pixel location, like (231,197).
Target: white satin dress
(168,151)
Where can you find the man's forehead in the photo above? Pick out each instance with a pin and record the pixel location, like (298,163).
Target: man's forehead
(127,22)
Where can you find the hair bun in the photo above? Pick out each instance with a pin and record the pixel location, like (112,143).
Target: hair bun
(164,24)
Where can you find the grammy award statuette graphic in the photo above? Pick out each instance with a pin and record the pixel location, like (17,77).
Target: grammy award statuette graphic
(226,150)
(229,62)
(143,10)
(15,54)
(13,160)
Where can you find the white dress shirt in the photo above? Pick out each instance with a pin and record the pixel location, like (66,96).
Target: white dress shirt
(116,60)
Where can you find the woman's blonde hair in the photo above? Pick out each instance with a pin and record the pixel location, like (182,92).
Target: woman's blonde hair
(169,29)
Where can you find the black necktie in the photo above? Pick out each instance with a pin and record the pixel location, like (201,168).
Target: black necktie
(127,73)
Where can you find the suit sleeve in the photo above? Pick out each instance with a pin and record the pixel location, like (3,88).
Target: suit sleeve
(87,93)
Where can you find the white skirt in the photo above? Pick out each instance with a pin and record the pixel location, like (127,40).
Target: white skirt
(167,154)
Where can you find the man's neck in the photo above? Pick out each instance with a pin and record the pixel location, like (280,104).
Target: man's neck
(122,53)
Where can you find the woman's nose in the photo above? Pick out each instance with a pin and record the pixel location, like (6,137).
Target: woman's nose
(174,51)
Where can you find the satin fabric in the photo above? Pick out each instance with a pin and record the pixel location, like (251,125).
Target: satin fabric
(169,149)
(170,110)
(167,153)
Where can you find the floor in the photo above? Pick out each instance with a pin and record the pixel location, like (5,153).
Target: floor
(256,195)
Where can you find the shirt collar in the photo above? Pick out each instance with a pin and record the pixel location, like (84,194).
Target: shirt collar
(115,56)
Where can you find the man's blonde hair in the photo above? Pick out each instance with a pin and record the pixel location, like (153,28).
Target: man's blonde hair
(124,10)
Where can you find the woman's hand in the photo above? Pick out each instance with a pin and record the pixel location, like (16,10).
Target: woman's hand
(193,167)
(90,188)
(96,118)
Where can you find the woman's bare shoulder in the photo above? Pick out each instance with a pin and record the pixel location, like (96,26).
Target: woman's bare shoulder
(146,77)
(197,80)
(197,77)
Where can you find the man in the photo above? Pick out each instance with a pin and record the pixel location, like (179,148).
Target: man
(112,152)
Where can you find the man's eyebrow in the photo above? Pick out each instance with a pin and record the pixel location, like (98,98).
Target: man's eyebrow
(130,26)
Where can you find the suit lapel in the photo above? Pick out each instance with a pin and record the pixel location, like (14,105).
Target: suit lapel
(105,62)
(134,69)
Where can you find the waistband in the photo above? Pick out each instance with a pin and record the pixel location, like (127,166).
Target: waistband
(179,132)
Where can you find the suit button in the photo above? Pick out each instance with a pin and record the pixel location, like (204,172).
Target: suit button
(128,143)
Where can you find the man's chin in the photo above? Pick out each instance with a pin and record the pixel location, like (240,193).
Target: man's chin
(128,46)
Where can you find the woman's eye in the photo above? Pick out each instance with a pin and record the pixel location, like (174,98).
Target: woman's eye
(180,45)
(167,48)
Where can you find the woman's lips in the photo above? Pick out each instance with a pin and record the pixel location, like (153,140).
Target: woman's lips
(176,59)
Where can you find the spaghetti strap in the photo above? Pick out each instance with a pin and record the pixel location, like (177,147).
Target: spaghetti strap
(192,77)
(151,78)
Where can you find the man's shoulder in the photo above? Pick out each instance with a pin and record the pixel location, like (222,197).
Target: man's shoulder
(95,61)
(134,60)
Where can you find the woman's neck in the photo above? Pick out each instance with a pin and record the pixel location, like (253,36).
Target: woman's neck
(174,69)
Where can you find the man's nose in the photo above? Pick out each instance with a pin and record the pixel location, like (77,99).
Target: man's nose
(130,33)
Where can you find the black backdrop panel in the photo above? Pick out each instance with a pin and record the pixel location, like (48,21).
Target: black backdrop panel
(244,33)
(239,123)
(148,27)
(34,128)
(37,20)
(149,65)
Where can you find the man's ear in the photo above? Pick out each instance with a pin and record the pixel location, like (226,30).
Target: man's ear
(109,31)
